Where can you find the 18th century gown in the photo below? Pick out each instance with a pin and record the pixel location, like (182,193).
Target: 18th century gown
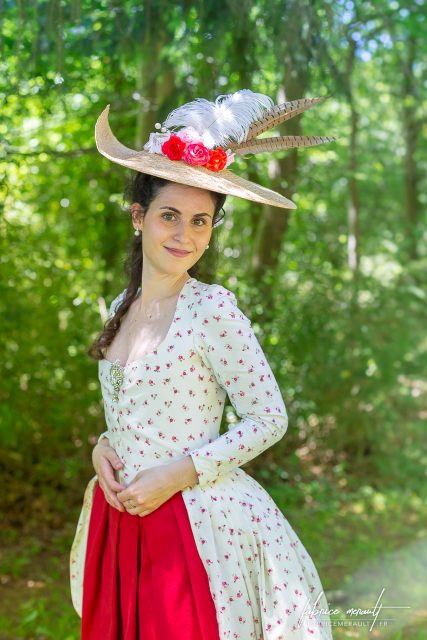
(169,404)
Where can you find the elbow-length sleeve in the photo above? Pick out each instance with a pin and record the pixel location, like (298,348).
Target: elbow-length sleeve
(227,344)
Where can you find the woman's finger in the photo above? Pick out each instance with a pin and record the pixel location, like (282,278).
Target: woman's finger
(112,500)
(132,510)
(114,459)
(137,510)
(110,497)
(108,476)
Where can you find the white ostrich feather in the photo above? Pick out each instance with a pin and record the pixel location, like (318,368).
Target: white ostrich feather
(226,120)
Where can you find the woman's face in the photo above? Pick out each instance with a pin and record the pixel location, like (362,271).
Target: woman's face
(179,217)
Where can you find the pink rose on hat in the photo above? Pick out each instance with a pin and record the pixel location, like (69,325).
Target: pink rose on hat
(195,153)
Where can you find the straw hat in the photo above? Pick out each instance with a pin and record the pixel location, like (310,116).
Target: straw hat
(200,139)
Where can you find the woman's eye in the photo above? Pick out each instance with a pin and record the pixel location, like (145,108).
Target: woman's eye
(196,219)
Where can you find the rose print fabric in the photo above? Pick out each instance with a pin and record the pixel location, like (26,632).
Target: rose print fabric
(168,405)
(228,347)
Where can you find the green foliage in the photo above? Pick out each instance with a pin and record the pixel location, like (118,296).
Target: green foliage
(345,339)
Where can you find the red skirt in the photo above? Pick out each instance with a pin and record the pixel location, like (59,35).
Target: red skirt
(143,576)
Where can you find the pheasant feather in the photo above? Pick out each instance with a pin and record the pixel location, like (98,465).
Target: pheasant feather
(224,121)
(276,143)
(280,113)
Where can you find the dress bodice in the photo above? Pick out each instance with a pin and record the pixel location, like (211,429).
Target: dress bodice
(169,403)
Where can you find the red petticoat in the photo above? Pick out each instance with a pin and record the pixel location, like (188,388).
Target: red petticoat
(143,577)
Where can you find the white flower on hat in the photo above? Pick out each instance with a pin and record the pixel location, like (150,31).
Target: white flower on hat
(155,141)
(230,157)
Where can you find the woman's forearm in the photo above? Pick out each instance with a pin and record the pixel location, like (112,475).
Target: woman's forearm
(183,473)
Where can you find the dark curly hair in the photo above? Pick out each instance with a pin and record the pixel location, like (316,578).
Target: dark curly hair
(143,188)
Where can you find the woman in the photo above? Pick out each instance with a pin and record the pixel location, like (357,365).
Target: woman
(175,540)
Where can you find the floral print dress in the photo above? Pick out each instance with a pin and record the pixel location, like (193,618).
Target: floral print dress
(169,404)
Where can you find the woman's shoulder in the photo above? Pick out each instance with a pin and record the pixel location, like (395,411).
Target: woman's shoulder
(216,304)
(214,295)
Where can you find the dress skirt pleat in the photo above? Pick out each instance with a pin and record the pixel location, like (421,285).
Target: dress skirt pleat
(143,576)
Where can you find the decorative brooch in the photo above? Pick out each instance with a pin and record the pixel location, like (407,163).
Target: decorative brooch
(116,378)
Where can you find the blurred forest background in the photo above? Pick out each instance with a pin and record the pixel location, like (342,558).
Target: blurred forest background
(335,289)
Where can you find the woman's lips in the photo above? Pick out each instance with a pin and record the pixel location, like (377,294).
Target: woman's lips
(177,253)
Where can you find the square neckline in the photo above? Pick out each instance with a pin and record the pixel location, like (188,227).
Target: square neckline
(117,362)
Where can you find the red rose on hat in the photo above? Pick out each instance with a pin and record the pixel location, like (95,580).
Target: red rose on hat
(195,153)
(173,147)
(217,159)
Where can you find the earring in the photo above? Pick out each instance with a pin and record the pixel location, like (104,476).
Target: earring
(207,246)
(137,232)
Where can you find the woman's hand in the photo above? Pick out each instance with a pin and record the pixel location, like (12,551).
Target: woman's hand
(148,490)
(105,460)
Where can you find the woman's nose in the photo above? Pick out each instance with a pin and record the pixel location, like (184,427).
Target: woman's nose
(184,230)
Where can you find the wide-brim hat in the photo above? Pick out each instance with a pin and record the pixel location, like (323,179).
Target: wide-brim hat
(213,133)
